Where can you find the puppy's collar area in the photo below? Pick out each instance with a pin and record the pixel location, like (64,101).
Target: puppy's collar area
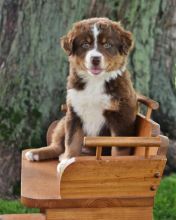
(114,74)
(122,70)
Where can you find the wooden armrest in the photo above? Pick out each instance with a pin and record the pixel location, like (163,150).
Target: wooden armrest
(164,145)
(122,141)
(99,142)
(148,102)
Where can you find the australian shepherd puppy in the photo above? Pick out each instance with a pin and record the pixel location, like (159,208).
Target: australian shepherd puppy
(100,96)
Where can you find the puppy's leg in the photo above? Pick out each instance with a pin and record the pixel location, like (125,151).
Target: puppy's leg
(118,151)
(73,147)
(73,142)
(54,149)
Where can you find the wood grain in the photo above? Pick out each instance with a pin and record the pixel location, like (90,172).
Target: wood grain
(125,213)
(40,189)
(122,141)
(118,177)
(98,152)
(23,217)
(146,128)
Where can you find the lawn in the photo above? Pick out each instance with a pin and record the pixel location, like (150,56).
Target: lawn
(165,202)
(14,207)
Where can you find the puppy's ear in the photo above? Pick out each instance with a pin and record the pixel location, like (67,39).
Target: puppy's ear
(125,40)
(66,44)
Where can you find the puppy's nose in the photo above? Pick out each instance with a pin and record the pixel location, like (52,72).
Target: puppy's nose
(96,60)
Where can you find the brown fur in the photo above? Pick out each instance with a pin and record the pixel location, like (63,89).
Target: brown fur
(120,116)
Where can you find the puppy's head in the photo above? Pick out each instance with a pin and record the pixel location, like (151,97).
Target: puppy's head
(97,46)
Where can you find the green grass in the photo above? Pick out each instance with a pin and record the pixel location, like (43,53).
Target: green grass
(165,201)
(164,209)
(14,207)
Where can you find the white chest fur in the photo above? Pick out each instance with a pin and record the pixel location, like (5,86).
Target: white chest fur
(89,104)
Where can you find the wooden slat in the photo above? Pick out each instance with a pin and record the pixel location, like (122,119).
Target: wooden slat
(23,217)
(149,112)
(40,189)
(98,152)
(125,213)
(146,128)
(121,177)
(122,141)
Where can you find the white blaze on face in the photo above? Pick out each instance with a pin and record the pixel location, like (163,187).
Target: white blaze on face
(94,52)
(95,34)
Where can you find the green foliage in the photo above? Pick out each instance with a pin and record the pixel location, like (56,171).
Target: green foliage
(13,207)
(165,201)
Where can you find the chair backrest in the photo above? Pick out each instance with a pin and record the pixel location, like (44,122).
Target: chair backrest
(146,128)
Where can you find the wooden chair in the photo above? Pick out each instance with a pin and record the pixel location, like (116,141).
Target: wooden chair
(101,187)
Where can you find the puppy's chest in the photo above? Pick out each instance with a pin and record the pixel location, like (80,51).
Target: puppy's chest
(89,105)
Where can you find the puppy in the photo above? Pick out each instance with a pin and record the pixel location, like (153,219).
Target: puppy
(101,100)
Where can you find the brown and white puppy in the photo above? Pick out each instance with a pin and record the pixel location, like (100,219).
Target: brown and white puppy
(100,96)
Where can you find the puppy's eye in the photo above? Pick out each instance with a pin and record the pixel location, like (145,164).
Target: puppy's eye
(107,45)
(85,45)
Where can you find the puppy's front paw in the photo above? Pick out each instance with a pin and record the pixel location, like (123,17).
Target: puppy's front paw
(63,164)
(31,156)
(62,157)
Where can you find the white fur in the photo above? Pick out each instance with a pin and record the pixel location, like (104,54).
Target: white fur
(94,52)
(114,74)
(31,157)
(95,34)
(63,164)
(61,157)
(89,104)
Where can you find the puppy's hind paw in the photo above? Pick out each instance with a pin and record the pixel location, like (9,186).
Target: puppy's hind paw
(31,156)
